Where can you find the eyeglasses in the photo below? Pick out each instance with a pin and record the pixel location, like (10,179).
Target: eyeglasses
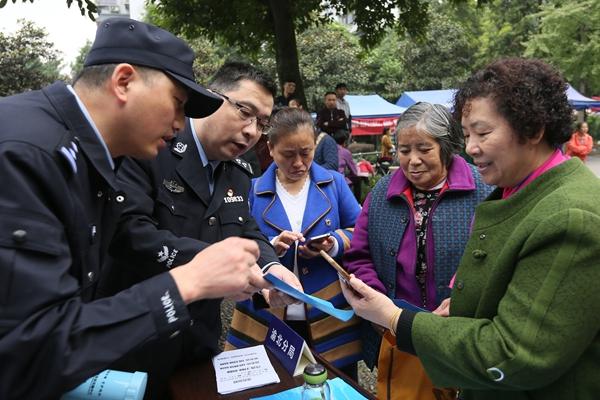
(246,114)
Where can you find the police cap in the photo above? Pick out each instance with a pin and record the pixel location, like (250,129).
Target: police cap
(124,40)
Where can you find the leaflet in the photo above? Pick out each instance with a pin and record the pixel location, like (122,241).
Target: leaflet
(316,302)
(242,369)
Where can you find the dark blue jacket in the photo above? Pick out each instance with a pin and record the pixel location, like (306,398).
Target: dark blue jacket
(58,208)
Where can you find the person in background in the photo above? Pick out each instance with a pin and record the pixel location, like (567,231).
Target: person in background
(341,90)
(411,234)
(346,165)
(387,147)
(581,142)
(59,148)
(326,153)
(330,119)
(523,317)
(192,195)
(294,200)
(289,88)
(295,103)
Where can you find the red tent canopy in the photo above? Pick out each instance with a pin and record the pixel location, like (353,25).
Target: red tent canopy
(372,126)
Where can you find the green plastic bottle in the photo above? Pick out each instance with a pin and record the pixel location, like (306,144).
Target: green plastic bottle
(315,383)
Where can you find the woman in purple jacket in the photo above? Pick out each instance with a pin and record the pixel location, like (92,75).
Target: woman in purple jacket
(414,225)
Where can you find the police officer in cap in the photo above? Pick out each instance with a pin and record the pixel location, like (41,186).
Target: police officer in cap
(59,147)
(196,189)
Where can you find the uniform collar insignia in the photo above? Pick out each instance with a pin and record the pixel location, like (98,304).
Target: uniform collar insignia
(180,147)
(173,186)
(244,164)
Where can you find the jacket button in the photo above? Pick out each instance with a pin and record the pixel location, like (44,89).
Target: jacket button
(212,221)
(403,220)
(392,252)
(240,219)
(460,285)
(99,194)
(479,254)
(90,276)
(482,236)
(120,198)
(19,236)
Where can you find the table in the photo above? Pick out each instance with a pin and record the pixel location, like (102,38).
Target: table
(198,382)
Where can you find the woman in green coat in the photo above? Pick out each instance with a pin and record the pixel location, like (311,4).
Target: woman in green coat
(524,315)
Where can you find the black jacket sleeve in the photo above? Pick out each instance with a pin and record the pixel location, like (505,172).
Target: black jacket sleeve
(50,340)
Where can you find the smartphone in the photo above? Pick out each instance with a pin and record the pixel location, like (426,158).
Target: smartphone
(341,271)
(317,239)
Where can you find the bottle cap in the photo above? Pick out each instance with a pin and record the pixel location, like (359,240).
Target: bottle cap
(314,374)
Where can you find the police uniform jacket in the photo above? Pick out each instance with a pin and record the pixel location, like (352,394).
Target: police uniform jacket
(173,216)
(58,204)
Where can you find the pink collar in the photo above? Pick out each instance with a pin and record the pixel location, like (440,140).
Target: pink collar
(555,159)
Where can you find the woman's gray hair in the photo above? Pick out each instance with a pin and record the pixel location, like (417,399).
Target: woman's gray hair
(436,121)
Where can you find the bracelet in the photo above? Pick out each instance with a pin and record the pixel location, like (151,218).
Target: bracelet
(394,321)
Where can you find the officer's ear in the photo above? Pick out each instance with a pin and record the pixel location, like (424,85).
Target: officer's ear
(121,79)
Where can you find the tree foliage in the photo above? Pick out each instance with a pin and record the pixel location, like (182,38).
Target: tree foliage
(253,24)
(329,54)
(77,65)
(28,61)
(85,6)
(504,27)
(440,60)
(569,38)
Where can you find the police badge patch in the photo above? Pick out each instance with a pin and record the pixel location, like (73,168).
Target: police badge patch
(231,198)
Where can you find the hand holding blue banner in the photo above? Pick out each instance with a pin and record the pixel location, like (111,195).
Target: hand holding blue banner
(316,302)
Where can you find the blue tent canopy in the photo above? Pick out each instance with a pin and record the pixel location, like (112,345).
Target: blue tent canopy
(371,113)
(372,106)
(443,97)
(579,101)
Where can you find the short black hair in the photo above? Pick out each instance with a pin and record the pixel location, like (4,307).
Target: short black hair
(328,93)
(287,121)
(230,74)
(341,85)
(528,93)
(96,75)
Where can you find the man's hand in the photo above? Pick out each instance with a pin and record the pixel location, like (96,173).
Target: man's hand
(276,298)
(285,239)
(225,269)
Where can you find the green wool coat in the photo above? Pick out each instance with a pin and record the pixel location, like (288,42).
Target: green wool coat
(525,310)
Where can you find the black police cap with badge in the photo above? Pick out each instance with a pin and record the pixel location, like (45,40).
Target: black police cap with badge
(124,40)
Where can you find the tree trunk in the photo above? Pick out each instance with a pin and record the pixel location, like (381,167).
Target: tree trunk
(286,52)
